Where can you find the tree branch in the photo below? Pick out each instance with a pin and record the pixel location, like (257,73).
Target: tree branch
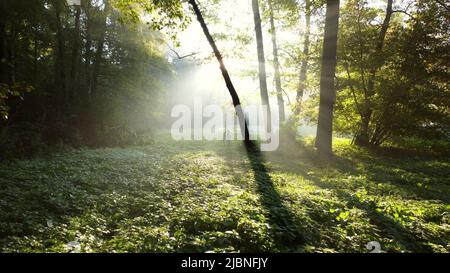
(178,55)
(443,5)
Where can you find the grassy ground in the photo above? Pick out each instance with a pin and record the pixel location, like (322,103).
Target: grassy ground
(213,196)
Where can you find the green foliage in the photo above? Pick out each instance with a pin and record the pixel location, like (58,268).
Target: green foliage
(410,94)
(161,14)
(211,197)
(409,98)
(8,92)
(97,82)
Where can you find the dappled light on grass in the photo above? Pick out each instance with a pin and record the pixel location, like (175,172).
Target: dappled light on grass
(214,196)
(282,227)
(354,95)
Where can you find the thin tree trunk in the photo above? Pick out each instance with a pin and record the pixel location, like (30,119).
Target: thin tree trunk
(60,63)
(363,136)
(99,52)
(87,54)
(225,74)
(442,4)
(304,65)
(261,60)
(35,61)
(3,54)
(327,88)
(75,54)
(11,52)
(276,63)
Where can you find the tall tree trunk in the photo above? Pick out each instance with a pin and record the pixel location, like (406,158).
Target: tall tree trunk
(75,62)
(36,56)
(261,60)
(225,74)
(60,61)
(2,43)
(276,63)
(11,52)
(99,52)
(327,88)
(363,136)
(3,54)
(88,46)
(305,59)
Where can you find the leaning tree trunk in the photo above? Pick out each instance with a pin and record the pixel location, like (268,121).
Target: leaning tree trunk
(305,59)
(276,63)
(225,74)
(261,61)
(327,88)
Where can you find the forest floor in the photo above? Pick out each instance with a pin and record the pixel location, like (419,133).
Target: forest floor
(219,197)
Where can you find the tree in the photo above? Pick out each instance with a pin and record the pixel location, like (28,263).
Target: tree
(363,136)
(100,49)
(225,74)
(305,57)
(87,6)
(60,62)
(391,75)
(75,61)
(327,88)
(276,62)
(261,60)
(44,47)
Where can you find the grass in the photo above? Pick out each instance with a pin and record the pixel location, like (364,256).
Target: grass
(219,197)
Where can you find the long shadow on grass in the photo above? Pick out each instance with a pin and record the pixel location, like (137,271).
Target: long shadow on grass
(407,239)
(392,171)
(387,224)
(376,169)
(284,231)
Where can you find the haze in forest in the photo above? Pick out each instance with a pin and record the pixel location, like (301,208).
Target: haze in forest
(358,105)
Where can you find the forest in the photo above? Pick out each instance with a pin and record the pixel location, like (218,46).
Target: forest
(356,98)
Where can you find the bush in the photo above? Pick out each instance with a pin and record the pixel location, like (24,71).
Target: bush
(434,146)
(23,140)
